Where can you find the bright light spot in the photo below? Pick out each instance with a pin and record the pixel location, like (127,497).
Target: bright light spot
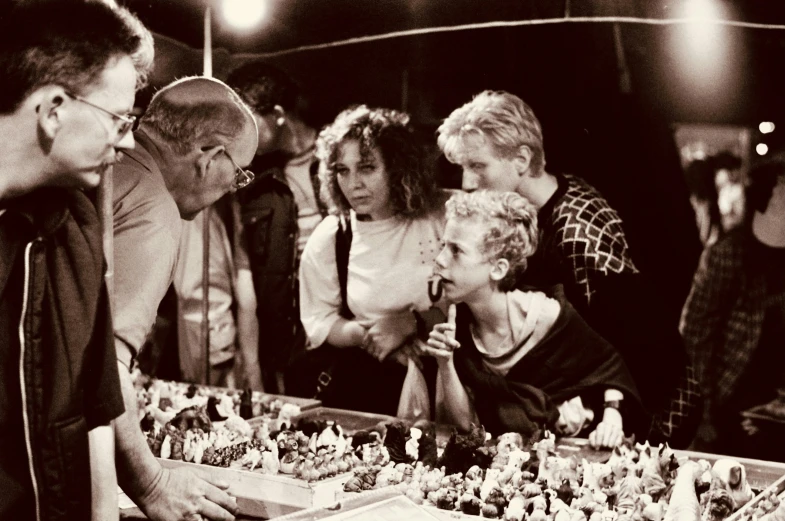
(244,14)
(701,10)
(762,149)
(767,127)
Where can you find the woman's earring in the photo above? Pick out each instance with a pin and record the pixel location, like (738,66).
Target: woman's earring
(280,121)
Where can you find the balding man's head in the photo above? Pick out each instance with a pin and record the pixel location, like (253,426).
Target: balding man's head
(195,112)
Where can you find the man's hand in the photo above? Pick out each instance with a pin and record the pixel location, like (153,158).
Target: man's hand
(181,495)
(388,334)
(609,433)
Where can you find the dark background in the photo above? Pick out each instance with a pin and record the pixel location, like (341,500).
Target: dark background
(608,104)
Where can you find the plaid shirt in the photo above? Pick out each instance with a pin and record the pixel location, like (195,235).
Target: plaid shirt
(722,319)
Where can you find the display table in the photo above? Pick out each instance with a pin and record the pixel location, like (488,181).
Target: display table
(266,496)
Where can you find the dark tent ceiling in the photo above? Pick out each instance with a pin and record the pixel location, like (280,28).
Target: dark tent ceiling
(575,63)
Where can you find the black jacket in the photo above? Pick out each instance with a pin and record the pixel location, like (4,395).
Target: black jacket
(58,363)
(269,224)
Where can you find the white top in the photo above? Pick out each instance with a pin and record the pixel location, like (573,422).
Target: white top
(390,262)
(298,176)
(188,285)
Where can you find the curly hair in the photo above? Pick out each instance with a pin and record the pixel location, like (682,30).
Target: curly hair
(511,227)
(500,117)
(412,185)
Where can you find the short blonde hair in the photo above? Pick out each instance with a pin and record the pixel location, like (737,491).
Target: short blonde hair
(501,118)
(511,227)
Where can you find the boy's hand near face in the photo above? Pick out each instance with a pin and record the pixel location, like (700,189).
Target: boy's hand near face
(441,342)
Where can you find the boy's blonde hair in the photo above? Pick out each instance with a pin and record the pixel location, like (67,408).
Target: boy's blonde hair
(501,118)
(511,227)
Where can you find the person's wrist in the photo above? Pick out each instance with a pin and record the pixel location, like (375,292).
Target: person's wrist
(612,415)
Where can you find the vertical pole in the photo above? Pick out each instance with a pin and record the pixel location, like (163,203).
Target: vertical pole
(208,72)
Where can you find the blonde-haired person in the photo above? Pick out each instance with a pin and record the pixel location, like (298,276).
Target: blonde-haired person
(497,140)
(375,179)
(526,360)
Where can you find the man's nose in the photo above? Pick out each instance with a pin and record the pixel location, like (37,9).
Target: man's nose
(126,142)
(469,181)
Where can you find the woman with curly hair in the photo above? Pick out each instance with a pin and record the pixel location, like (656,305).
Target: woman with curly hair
(375,179)
(527,359)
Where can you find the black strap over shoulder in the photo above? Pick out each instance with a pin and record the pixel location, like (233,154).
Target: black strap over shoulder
(343,243)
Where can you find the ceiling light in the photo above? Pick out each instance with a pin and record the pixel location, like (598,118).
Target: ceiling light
(244,14)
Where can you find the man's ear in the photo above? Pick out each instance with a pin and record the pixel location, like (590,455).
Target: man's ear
(280,115)
(499,269)
(205,157)
(523,159)
(49,109)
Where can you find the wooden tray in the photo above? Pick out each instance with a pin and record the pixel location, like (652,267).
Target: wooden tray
(760,474)
(778,487)
(268,496)
(350,421)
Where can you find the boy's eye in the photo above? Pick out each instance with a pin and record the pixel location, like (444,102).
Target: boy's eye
(367,167)
(341,171)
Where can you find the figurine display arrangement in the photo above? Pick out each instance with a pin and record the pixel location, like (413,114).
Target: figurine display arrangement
(508,478)
(161,400)
(515,479)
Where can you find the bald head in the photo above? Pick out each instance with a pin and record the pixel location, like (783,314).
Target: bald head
(195,112)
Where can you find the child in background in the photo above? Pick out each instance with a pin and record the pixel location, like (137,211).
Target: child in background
(527,359)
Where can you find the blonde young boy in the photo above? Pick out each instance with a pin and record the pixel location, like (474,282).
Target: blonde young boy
(526,359)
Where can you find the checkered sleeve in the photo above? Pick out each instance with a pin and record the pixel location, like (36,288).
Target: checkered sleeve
(705,312)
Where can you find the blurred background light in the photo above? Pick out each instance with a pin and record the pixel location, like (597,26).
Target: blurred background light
(762,149)
(244,14)
(766,127)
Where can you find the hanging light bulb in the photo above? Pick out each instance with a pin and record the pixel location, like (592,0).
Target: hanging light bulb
(244,14)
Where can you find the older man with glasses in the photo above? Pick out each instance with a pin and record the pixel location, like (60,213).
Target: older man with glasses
(191,148)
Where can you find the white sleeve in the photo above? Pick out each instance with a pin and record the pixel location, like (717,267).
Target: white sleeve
(320,290)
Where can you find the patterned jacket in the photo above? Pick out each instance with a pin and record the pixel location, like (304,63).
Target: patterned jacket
(583,246)
(723,317)
(579,227)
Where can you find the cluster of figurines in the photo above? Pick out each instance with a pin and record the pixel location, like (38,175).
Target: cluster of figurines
(162,400)
(510,479)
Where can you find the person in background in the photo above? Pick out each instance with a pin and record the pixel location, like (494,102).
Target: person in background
(69,72)
(278,213)
(192,147)
(706,178)
(233,327)
(526,359)
(497,140)
(377,182)
(733,321)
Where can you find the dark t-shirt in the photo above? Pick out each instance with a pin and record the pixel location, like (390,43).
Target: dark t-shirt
(75,347)
(15,499)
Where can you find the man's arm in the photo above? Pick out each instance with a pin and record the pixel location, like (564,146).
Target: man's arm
(702,316)
(103,478)
(248,331)
(162,494)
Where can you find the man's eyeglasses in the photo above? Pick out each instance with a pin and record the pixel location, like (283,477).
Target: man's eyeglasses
(242,177)
(123,124)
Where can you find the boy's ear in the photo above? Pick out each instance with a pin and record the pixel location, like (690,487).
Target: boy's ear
(499,269)
(523,159)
